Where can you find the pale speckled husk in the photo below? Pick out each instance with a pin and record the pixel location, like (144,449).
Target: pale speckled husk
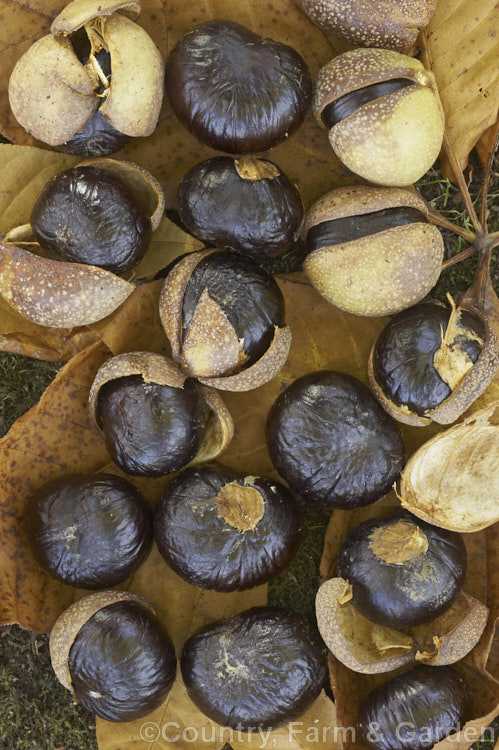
(70,622)
(53,95)
(136,89)
(465,636)
(326,604)
(453,647)
(219,431)
(358,68)
(57,293)
(356,200)
(474,383)
(394,139)
(394,25)
(172,295)
(50,92)
(452,481)
(170,311)
(382,273)
(79,12)
(154,368)
(262,371)
(210,347)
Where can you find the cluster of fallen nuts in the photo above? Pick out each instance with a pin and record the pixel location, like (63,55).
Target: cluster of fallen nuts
(396,600)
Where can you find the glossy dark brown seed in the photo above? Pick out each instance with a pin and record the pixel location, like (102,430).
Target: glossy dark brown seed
(221,530)
(96,138)
(349,103)
(352,228)
(404,355)
(247,204)
(89,531)
(261,668)
(403,571)
(416,710)
(151,429)
(331,441)
(235,90)
(87,215)
(122,662)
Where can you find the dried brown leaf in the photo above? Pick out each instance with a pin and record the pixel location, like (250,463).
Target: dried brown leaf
(53,439)
(179,724)
(461,46)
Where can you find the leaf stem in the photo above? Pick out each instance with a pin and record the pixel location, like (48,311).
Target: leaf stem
(463,187)
(486,180)
(493,240)
(463,255)
(437,218)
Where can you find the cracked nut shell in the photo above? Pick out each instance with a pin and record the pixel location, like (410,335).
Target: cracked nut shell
(416,710)
(89,215)
(369,648)
(391,25)
(331,441)
(247,204)
(154,419)
(383,114)
(371,250)
(224,317)
(221,530)
(431,362)
(403,571)
(112,652)
(452,480)
(261,668)
(93,82)
(89,531)
(235,90)
(62,294)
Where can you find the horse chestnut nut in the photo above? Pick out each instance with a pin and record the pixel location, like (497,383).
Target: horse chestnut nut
(110,650)
(89,531)
(247,204)
(403,571)
(93,82)
(221,530)
(383,114)
(153,418)
(416,710)
(430,362)
(89,215)
(331,441)
(235,90)
(224,317)
(261,668)
(371,250)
